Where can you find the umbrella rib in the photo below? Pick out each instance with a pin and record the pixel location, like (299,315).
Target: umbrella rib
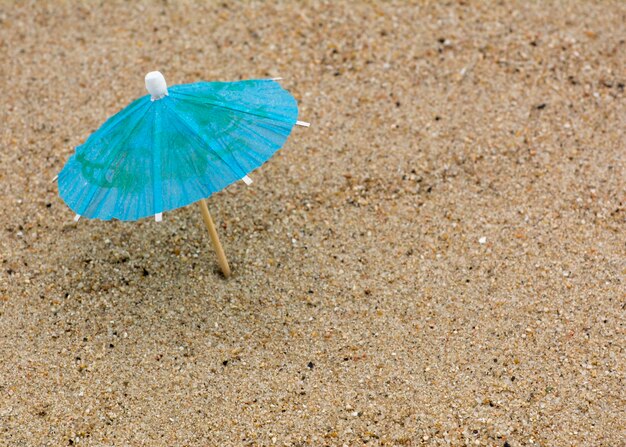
(249,126)
(113,159)
(117,120)
(190,160)
(234,109)
(157,187)
(259,160)
(197,135)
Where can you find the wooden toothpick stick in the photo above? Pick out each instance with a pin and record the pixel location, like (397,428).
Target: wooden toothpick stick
(221,257)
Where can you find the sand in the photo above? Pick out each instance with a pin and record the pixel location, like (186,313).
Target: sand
(438,260)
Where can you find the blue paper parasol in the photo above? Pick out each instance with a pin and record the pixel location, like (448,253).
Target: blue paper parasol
(177,146)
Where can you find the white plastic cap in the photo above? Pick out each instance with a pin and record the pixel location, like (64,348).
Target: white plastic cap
(156,85)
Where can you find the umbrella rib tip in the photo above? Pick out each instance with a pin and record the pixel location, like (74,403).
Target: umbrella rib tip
(303,123)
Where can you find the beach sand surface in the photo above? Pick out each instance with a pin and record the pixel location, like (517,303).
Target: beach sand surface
(438,260)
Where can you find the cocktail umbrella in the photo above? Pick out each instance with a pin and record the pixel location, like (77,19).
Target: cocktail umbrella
(176,146)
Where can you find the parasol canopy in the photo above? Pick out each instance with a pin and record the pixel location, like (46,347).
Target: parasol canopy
(175,146)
